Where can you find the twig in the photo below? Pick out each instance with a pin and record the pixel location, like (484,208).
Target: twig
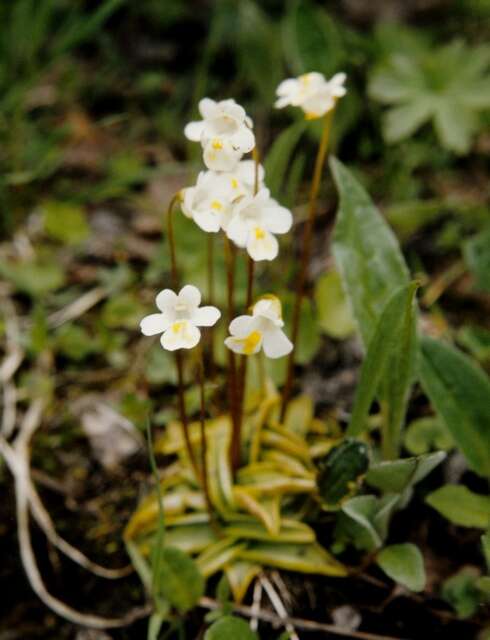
(298,623)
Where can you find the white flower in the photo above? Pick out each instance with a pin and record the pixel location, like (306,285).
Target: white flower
(208,203)
(225,133)
(242,178)
(180,318)
(220,154)
(312,92)
(261,330)
(255,220)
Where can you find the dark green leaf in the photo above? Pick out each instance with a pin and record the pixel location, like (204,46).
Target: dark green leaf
(485,541)
(370,517)
(36,278)
(366,252)
(477,256)
(425,434)
(462,593)
(342,466)
(393,333)
(279,156)
(258,49)
(397,475)
(333,312)
(230,628)
(460,392)
(404,564)
(461,506)
(65,222)
(181,582)
(312,39)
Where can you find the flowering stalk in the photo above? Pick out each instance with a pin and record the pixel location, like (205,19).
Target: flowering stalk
(178,355)
(306,253)
(204,444)
(210,269)
(248,304)
(232,383)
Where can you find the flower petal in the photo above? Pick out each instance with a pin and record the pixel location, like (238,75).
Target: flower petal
(208,221)
(243,139)
(269,308)
(207,108)
(338,79)
(262,245)
(166,300)
(220,155)
(287,86)
(280,103)
(194,130)
(232,109)
(277,219)
(153,324)
(206,316)
(237,231)
(180,335)
(241,326)
(247,346)
(277,344)
(190,295)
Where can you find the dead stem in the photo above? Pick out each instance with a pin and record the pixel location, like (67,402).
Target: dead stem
(306,254)
(178,355)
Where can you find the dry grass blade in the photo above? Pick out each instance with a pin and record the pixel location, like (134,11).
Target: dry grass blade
(78,307)
(13,358)
(18,459)
(257,598)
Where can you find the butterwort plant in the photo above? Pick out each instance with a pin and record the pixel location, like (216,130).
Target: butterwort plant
(252,475)
(257,462)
